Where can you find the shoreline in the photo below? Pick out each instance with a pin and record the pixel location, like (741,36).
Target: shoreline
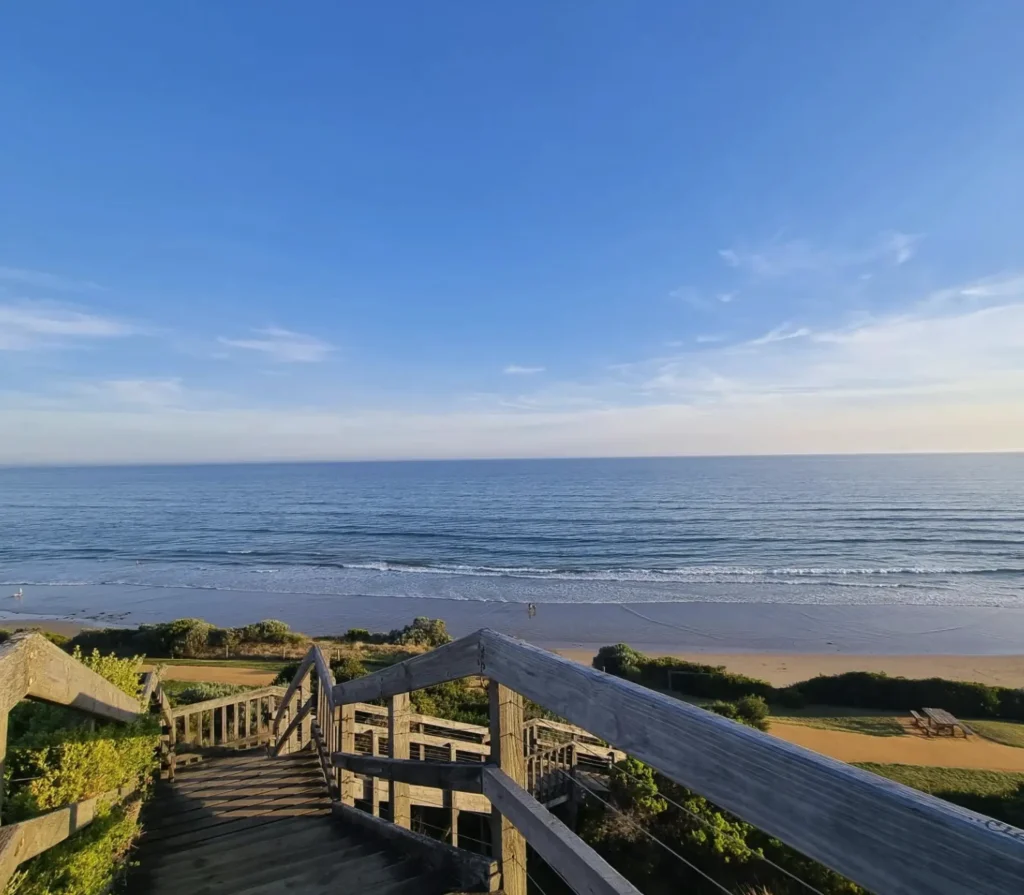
(778,642)
(656,628)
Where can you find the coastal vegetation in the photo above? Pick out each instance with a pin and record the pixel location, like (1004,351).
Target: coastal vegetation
(57,757)
(854,689)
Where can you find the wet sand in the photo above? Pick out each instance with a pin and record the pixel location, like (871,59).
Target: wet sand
(659,628)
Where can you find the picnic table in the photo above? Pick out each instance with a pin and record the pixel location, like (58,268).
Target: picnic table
(943,722)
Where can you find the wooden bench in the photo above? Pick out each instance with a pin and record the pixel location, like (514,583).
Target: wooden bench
(922,722)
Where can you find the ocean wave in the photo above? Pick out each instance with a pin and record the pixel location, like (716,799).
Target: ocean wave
(695,573)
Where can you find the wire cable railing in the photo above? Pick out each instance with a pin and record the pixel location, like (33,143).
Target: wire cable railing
(706,823)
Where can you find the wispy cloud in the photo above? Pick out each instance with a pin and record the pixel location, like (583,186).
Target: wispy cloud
(283,346)
(781,334)
(41,280)
(136,392)
(517,370)
(29,325)
(782,258)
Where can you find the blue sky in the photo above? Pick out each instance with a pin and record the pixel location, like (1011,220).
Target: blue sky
(235,231)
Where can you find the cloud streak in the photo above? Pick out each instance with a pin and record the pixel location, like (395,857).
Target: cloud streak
(283,346)
(28,325)
(784,258)
(517,370)
(38,279)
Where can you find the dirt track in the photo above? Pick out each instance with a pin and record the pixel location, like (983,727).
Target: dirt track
(912,748)
(250,677)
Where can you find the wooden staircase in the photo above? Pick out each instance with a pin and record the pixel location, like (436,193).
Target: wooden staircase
(252,825)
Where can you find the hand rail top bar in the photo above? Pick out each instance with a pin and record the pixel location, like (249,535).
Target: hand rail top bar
(868,828)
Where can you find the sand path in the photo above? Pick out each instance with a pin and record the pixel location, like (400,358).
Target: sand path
(249,677)
(912,748)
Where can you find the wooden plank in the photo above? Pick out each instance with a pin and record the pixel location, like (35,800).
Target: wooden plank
(324,675)
(586,872)
(446,663)
(221,701)
(15,656)
(32,666)
(473,872)
(300,676)
(439,774)
(346,782)
(398,747)
(293,725)
(21,841)
(508,845)
(149,681)
(867,828)
(431,740)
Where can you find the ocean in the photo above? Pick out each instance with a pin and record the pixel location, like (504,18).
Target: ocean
(936,530)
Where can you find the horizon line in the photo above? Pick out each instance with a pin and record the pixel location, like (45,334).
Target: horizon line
(512,459)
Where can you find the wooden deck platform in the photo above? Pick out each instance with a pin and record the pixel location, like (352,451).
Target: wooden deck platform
(251,825)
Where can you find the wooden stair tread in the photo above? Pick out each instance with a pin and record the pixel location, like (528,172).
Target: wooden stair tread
(254,825)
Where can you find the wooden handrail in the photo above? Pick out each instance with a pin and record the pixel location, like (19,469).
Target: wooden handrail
(24,840)
(867,828)
(565,852)
(218,702)
(456,776)
(300,716)
(31,666)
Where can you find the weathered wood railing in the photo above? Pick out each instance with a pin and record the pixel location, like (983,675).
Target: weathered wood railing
(32,667)
(884,836)
(242,720)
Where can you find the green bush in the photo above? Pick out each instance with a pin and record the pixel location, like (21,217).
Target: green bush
(85,864)
(855,689)
(357,635)
(454,700)
(749,710)
(190,692)
(55,768)
(429,632)
(348,669)
(270,630)
(621,660)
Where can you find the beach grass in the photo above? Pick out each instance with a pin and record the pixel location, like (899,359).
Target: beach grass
(940,781)
(848,720)
(1009,733)
(268,665)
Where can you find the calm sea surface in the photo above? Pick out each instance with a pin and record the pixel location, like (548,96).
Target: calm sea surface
(940,530)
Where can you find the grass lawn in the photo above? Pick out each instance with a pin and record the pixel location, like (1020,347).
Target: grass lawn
(1009,733)
(269,665)
(999,794)
(831,717)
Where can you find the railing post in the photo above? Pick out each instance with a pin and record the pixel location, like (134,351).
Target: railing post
(398,747)
(508,844)
(449,801)
(376,784)
(346,779)
(307,724)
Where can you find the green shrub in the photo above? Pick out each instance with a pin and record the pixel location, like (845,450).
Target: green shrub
(122,673)
(270,630)
(54,768)
(190,692)
(357,635)
(621,660)
(286,674)
(348,669)
(224,638)
(85,864)
(185,637)
(856,689)
(454,700)
(749,710)
(429,632)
